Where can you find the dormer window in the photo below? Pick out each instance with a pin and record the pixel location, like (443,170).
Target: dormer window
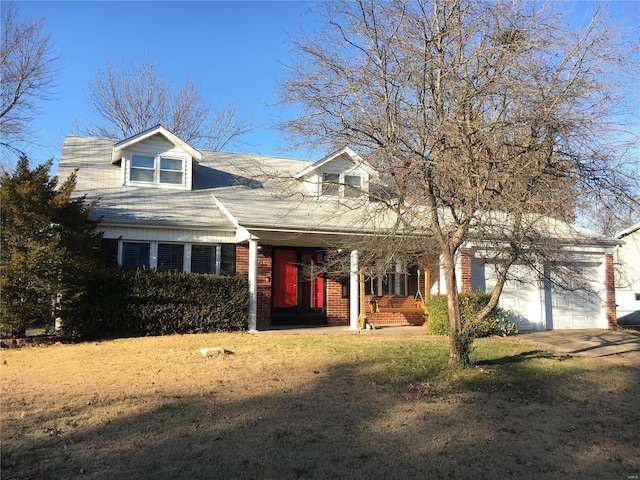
(156,158)
(157,169)
(341,185)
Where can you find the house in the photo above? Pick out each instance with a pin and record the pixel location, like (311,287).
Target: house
(627,266)
(168,206)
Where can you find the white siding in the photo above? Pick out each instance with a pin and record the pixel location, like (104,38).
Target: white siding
(159,145)
(167,235)
(627,265)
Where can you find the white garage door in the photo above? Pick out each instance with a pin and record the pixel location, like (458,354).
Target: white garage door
(579,309)
(520,297)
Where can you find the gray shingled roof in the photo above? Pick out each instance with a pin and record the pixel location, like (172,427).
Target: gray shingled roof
(256,192)
(97,177)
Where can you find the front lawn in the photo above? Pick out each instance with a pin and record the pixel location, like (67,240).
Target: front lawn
(281,407)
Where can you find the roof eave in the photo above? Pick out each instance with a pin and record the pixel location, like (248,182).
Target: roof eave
(119,147)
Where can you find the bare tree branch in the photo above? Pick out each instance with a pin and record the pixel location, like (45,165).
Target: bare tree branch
(27,77)
(137,98)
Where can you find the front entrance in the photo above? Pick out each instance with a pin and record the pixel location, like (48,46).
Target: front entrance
(298,287)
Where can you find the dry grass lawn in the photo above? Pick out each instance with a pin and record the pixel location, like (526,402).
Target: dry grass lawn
(316,407)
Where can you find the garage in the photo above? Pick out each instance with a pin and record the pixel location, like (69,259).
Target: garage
(575,309)
(537,305)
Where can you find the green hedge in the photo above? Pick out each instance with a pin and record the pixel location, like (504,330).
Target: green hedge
(470,305)
(140,302)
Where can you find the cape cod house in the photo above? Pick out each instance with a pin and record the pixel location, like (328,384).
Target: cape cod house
(168,206)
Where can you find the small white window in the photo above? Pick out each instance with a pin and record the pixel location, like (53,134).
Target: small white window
(157,170)
(331,184)
(341,185)
(352,185)
(171,171)
(142,168)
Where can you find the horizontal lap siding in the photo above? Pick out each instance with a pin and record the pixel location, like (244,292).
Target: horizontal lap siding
(167,235)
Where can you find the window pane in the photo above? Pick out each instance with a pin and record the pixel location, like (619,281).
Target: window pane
(109,247)
(138,175)
(203,259)
(170,177)
(170,257)
(171,164)
(330,184)
(353,186)
(142,162)
(135,255)
(228,259)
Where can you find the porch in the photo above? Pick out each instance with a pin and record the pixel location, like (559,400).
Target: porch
(382,310)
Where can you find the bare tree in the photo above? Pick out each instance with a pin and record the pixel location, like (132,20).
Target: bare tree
(486,121)
(27,76)
(137,98)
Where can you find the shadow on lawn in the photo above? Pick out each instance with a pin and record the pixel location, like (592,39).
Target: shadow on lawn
(522,357)
(342,424)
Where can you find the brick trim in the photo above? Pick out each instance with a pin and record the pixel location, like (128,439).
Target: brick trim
(610,288)
(466,257)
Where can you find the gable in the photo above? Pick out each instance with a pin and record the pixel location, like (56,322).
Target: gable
(158,130)
(343,174)
(156,158)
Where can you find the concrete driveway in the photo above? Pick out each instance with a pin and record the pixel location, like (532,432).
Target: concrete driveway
(621,347)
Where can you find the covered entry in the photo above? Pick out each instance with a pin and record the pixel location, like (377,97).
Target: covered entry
(299,287)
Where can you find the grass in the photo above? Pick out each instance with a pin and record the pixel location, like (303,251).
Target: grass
(314,407)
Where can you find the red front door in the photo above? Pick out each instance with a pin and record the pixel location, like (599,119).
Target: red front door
(298,287)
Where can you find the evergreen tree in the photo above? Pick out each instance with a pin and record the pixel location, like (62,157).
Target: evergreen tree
(48,245)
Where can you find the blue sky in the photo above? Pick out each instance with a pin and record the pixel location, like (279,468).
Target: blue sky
(232,51)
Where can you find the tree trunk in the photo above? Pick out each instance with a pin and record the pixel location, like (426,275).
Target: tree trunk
(453,304)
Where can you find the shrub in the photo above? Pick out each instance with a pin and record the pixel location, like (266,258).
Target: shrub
(140,302)
(470,305)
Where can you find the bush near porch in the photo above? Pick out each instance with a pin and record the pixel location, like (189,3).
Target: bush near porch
(470,305)
(141,302)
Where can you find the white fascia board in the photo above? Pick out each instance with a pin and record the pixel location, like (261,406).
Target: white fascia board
(628,231)
(332,156)
(242,234)
(119,147)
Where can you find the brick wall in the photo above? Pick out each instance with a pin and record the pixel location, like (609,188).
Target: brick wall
(610,287)
(337,307)
(395,318)
(465,270)
(265,277)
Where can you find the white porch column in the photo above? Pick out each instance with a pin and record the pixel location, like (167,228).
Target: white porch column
(354,291)
(253,285)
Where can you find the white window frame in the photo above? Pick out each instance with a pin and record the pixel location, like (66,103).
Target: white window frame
(341,184)
(186,262)
(157,170)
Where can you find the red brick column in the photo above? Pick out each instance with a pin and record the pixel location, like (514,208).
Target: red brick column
(465,269)
(337,307)
(610,287)
(265,277)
